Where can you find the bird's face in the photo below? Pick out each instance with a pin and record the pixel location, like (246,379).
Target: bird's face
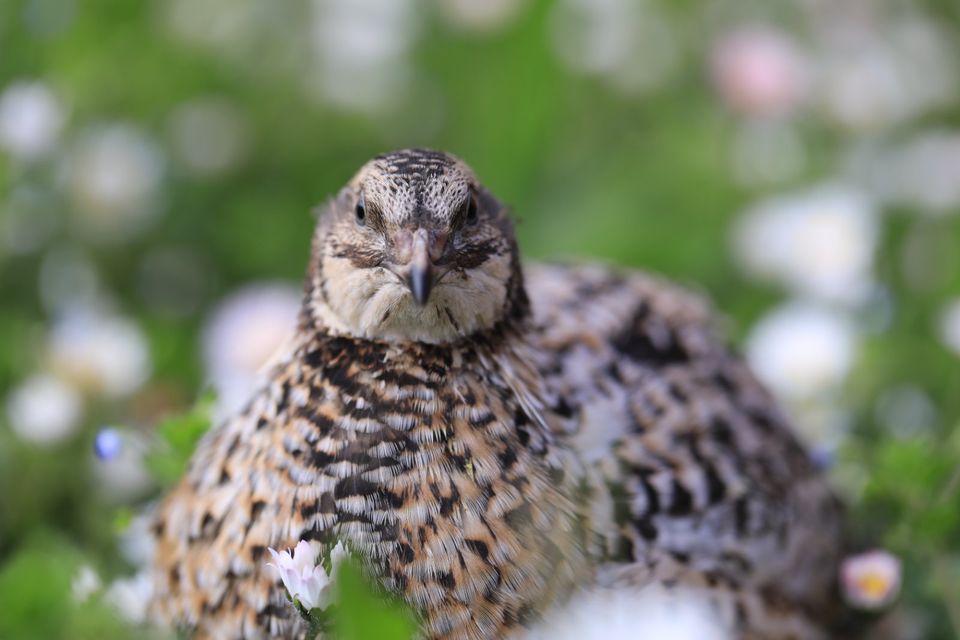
(414,249)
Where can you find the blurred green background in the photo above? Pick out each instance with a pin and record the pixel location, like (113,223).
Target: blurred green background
(798,162)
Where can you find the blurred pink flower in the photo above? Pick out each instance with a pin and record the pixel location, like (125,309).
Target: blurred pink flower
(758,71)
(871,580)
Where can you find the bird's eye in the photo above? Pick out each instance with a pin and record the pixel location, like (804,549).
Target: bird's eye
(361,212)
(471,214)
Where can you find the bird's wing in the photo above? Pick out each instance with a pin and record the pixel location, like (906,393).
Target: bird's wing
(687,454)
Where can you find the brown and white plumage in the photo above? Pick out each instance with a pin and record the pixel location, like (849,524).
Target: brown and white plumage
(490,439)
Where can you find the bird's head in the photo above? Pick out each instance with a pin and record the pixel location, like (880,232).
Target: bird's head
(414,249)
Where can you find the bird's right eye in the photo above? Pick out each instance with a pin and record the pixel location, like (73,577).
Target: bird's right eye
(361,213)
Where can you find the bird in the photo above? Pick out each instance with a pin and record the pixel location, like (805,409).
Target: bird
(490,436)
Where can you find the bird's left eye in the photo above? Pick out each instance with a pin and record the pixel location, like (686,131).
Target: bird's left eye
(470,214)
(361,212)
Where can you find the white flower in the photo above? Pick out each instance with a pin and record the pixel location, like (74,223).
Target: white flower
(630,43)
(99,353)
(863,89)
(242,335)
(481,16)
(870,79)
(30,119)
(593,37)
(44,410)
(758,71)
(129,596)
(871,580)
(338,554)
(304,577)
(361,51)
(85,583)
(114,178)
(950,325)
(819,243)
(229,27)
(136,542)
(802,350)
(625,614)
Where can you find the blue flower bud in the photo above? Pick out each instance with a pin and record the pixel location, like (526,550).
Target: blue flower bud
(108,444)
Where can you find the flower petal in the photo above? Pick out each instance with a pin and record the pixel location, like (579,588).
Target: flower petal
(305,580)
(871,580)
(304,555)
(337,556)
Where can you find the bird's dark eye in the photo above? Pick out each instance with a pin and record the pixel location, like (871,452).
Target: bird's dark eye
(361,212)
(471,214)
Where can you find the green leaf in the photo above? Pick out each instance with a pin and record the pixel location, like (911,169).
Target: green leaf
(35,589)
(362,613)
(179,437)
(122,518)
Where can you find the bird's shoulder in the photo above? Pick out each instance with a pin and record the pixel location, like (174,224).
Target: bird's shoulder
(638,313)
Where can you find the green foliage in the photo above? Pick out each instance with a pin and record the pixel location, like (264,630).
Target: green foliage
(36,592)
(364,613)
(911,503)
(180,435)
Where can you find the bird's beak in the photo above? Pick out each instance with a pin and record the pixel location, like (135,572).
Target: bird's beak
(420,274)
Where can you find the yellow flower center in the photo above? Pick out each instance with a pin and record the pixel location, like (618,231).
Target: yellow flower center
(873,585)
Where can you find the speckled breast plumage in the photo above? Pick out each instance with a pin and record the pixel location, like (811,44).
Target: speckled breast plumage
(423,460)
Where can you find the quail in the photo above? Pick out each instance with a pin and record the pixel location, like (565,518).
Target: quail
(490,436)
